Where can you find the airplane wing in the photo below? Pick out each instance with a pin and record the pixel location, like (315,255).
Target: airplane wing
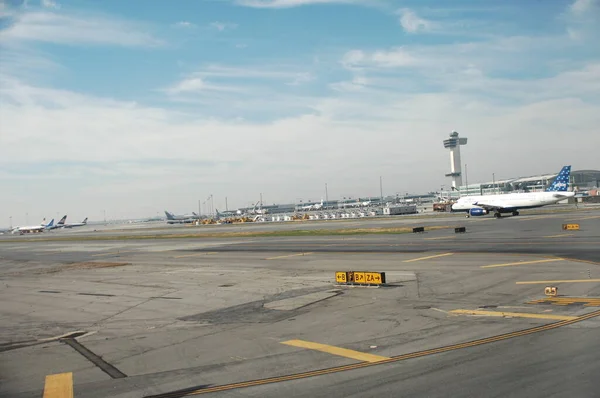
(491,206)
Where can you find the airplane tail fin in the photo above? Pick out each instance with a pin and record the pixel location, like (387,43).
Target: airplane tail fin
(84,221)
(62,220)
(50,224)
(561,182)
(169,215)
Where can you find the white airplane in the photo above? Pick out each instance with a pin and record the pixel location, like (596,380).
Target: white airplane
(184,219)
(72,225)
(512,202)
(33,229)
(314,206)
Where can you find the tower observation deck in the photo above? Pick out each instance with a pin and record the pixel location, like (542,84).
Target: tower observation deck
(453,143)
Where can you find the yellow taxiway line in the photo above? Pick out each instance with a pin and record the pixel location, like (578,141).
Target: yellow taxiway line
(558,236)
(441,237)
(330,349)
(361,365)
(513,314)
(548,260)
(288,255)
(59,386)
(427,258)
(557,281)
(195,254)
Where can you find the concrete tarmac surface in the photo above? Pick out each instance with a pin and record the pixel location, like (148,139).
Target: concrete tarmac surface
(462,314)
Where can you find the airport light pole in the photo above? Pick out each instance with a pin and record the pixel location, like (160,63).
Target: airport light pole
(27,218)
(466,180)
(226,206)
(10,218)
(380,189)
(326,196)
(494,183)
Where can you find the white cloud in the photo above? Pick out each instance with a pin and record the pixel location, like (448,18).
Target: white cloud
(184,24)
(118,149)
(583,6)
(187,85)
(221,26)
(68,29)
(50,4)
(412,23)
(583,20)
(396,57)
(300,78)
(291,3)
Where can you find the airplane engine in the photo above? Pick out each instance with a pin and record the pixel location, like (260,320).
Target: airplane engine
(478,211)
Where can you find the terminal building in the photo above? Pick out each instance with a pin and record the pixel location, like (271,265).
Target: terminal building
(581,181)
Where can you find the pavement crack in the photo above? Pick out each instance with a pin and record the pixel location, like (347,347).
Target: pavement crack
(94,358)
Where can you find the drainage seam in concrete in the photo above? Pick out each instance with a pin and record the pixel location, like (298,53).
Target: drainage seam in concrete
(95,359)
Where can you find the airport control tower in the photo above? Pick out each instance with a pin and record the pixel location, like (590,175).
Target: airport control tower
(454,143)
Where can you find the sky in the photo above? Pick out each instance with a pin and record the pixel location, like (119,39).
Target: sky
(135,107)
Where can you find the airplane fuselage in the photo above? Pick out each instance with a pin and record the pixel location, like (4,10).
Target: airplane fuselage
(506,203)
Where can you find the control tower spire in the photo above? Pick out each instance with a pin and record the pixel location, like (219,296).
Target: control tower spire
(453,143)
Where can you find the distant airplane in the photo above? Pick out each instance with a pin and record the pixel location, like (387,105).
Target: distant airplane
(33,229)
(73,225)
(513,202)
(313,206)
(59,224)
(183,219)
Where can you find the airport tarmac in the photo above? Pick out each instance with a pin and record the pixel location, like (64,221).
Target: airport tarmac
(462,315)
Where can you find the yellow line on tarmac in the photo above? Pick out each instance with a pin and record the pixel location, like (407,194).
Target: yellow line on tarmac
(558,236)
(427,258)
(522,263)
(441,237)
(514,315)
(361,365)
(195,254)
(343,352)
(288,255)
(558,281)
(59,386)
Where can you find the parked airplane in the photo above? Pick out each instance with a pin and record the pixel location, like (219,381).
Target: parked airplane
(184,219)
(313,206)
(59,224)
(72,225)
(513,202)
(33,229)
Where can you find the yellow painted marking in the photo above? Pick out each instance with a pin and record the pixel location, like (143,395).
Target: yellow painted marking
(343,352)
(288,255)
(110,254)
(195,254)
(59,386)
(586,301)
(441,237)
(427,258)
(514,315)
(557,281)
(558,236)
(403,357)
(548,260)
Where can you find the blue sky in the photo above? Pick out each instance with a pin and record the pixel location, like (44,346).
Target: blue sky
(134,107)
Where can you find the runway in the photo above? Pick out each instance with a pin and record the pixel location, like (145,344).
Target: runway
(462,314)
